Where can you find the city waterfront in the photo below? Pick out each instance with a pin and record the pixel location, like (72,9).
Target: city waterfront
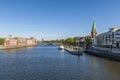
(50,63)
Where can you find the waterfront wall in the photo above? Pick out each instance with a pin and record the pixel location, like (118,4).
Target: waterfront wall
(113,50)
(2,47)
(102,53)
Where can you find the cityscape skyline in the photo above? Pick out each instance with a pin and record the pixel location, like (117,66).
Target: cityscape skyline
(57,19)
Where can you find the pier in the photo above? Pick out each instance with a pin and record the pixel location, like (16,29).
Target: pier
(74,51)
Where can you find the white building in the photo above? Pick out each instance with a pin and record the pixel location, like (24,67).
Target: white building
(109,38)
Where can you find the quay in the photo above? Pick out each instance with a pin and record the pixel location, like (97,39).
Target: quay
(105,54)
(74,51)
(15,47)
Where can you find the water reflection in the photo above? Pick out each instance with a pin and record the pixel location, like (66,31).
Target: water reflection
(50,63)
(62,51)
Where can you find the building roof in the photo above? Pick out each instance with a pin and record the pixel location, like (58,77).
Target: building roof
(114,29)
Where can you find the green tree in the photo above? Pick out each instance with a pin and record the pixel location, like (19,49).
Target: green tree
(62,41)
(76,42)
(2,41)
(69,41)
(88,42)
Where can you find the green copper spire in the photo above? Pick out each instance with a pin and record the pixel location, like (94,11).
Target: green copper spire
(94,31)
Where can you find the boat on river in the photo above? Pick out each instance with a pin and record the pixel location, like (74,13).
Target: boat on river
(61,47)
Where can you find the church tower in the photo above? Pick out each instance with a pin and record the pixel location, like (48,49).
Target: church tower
(93,32)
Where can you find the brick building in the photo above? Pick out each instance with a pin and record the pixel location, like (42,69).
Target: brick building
(17,41)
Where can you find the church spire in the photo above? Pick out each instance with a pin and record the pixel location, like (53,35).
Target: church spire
(93,32)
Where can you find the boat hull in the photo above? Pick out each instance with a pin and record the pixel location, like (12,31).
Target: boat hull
(61,47)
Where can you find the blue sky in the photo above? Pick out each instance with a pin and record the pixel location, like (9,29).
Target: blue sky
(55,19)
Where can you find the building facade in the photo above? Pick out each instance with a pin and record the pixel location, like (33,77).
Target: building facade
(10,41)
(18,41)
(110,38)
(81,41)
(31,41)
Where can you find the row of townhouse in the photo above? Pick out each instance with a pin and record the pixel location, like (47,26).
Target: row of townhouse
(110,38)
(82,40)
(19,41)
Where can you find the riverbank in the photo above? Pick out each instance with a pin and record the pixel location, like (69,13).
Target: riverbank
(74,50)
(15,47)
(105,54)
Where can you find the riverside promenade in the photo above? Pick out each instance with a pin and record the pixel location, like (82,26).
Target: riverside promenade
(74,50)
(112,50)
(113,53)
(2,47)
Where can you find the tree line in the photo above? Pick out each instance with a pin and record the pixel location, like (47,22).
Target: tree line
(71,42)
(2,41)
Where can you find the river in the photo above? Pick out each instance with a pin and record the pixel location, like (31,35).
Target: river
(49,63)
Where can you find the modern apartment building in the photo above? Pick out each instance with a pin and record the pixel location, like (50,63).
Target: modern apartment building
(110,38)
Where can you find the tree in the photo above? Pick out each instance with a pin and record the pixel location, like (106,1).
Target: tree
(69,41)
(88,42)
(76,42)
(2,41)
(62,41)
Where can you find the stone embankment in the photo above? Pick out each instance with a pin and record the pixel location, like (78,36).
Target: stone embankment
(15,46)
(113,54)
(74,51)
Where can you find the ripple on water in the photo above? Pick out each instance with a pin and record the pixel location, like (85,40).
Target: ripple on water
(49,63)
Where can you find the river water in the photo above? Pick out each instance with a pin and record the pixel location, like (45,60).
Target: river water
(49,63)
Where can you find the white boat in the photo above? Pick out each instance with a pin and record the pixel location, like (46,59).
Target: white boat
(61,47)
